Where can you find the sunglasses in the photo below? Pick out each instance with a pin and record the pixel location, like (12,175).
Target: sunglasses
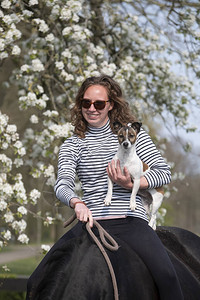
(98,104)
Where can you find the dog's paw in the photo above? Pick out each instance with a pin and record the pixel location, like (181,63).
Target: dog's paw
(132,203)
(107,201)
(152,224)
(133,206)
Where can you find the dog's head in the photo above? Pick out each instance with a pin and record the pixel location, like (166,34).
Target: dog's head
(127,134)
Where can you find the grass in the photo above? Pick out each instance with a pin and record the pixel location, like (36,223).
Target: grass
(21,267)
(4,295)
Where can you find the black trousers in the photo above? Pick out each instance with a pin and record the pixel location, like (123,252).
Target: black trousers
(143,240)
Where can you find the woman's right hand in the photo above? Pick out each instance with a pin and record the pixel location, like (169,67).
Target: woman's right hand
(83,213)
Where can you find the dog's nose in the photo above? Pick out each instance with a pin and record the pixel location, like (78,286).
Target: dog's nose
(125,145)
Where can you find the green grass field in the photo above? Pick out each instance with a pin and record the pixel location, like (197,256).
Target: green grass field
(22,266)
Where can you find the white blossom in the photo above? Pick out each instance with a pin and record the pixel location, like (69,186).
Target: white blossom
(18,162)
(66,53)
(65,14)
(7,19)
(49,171)
(3,55)
(49,220)
(3,205)
(50,37)
(74,5)
(32,2)
(50,114)
(34,119)
(5,268)
(108,69)
(97,50)
(55,10)
(4,146)
(35,195)
(43,27)
(8,217)
(31,97)
(67,76)
(79,78)
(41,103)
(51,180)
(7,162)
(66,31)
(2,44)
(20,191)
(40,89)
(11,129)
(18,144)
(75,18)
(45,248)
(19,226)
(7,235)
(7,189)
(61,130)
(37,65)
(29,134)
(3,121)
(22,210)
(27,13)
(25,68)
(5,4)
(21,151)
(23,238)
(59,65)
(16,50)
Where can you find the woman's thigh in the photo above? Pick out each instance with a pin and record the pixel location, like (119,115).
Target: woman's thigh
(145,242)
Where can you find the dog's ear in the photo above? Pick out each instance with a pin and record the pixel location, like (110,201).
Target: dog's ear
(117,126)
(136,126)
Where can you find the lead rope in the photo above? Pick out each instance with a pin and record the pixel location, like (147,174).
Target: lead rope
(112,245)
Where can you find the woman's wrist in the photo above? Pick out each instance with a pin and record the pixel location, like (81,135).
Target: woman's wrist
(73,202)
(79,202)
(144,183)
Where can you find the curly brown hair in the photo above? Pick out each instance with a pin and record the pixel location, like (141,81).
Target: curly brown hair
(120,112)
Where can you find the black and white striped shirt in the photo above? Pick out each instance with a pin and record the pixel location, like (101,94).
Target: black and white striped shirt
(89,157)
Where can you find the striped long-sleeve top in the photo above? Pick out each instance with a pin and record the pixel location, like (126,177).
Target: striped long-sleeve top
(88,158)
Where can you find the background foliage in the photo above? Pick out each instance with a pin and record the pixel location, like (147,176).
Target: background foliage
(47,48)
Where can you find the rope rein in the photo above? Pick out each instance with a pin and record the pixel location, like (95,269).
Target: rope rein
(111,245)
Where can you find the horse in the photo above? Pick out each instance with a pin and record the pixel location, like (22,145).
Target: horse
(77,270)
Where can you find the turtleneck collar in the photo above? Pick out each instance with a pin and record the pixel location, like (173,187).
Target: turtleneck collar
(103,129)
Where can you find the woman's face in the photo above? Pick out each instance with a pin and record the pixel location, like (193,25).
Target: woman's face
(95,117)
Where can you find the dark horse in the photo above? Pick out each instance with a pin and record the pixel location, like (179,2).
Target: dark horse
(77,270)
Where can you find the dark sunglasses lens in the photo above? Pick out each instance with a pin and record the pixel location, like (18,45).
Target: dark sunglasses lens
(99,104)
(86,103)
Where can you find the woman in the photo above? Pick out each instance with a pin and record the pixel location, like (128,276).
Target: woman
(88,153)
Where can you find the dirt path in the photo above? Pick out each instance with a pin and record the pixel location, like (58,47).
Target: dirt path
(19,252)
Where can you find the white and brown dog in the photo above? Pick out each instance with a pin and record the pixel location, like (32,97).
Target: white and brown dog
(126,154)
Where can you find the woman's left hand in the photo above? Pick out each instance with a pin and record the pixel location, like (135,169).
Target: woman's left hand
(121,177)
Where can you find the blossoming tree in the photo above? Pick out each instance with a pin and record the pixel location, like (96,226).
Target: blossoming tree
(57,44)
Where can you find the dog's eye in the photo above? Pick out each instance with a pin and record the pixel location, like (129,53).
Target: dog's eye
(121,136)
(131,136)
